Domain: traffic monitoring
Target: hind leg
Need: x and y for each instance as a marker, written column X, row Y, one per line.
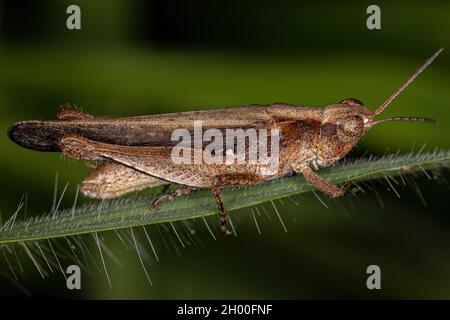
column 67, row 112
column 223, row 214
column 111, row 180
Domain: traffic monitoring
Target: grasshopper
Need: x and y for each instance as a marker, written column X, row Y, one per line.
column 135, row 153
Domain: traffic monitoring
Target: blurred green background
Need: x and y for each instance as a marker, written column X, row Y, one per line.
column 145, row 57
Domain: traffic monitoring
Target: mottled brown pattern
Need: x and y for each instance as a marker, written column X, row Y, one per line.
column 136, row 151
column 222, row 211
column 66, row 112
column 111, row 180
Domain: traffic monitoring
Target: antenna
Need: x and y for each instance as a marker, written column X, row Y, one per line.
column 407, row 83
column 420, row 119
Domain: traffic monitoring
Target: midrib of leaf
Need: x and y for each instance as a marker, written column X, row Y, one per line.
column 132, row 212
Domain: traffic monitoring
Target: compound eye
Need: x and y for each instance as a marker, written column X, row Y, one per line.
column 350, row 129
column 352, row 102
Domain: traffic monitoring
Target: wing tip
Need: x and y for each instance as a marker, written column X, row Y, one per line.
column 30, row 135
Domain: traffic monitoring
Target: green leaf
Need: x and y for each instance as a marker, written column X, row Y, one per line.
column 134, row 211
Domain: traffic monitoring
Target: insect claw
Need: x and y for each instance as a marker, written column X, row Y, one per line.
column 159, row 199
column 355, row 191
column 348, row 187
column 224, row 230
column 340, row 192
column 154, row 204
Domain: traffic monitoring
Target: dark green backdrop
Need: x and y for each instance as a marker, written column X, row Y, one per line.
column 145, row 57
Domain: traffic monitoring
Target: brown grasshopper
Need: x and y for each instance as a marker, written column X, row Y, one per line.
column 137, row 152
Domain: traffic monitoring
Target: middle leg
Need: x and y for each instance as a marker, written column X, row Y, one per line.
column 172, row 195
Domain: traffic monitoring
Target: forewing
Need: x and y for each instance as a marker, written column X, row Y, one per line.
column 153, row 130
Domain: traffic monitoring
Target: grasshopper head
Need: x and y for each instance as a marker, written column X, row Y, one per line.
column 345, row 123
column 353, row 119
